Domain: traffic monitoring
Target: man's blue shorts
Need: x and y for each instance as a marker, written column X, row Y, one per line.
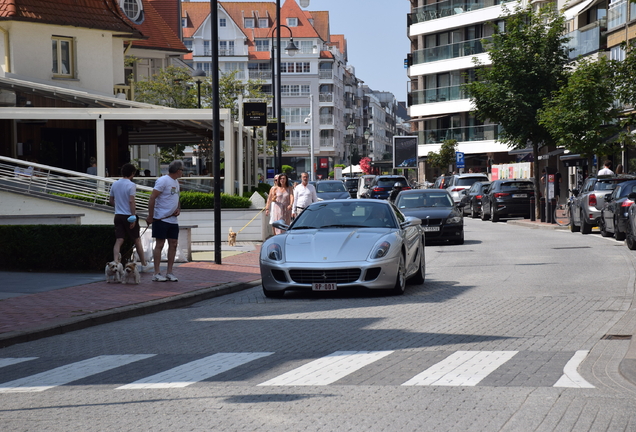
column 164, row 230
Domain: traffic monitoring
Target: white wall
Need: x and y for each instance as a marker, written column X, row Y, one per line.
column 97, row 53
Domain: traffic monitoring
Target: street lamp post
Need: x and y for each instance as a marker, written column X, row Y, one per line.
column 351, row 131
column 199, row 76
column 310, row 120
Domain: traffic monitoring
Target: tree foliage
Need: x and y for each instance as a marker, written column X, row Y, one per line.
column 445, row 157
column 581, row 116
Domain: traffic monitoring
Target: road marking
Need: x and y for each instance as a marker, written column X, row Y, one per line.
column 11, row 361
column 571, row 377
column 69, row 373
column 198, row 370
column 462, row 368
column 327, row 370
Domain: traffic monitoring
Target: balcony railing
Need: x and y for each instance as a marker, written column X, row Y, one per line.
column 223, row 52
column 440, row 94
column 326, row 142
column 445, row 52
column 128, row 90
column 587, row 41
column 447, row 8
column 325, row 97
column 469, row 133
column 298, row 142
column 326, row 119
column 325, row 74
column 260, row 75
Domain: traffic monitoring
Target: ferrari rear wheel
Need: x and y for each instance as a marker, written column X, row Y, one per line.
column 400, row 279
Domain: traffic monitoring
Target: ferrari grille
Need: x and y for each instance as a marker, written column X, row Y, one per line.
column 325, row 276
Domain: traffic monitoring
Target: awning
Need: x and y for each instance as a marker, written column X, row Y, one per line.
column 572, row 12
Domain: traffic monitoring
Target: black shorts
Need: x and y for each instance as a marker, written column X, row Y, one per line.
column 164, row 230
column 122, row 227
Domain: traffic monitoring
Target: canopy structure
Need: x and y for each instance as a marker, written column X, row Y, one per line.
column 355, row 169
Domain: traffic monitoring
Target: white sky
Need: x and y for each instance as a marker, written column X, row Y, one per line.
column 376, row 36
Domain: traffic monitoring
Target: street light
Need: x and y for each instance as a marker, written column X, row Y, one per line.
column 351, row 130
column 367, row 134
column 291, row 51
column 310, row 120
column 199, row 76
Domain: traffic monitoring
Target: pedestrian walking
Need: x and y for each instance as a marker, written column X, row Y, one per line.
column 283, row 199
column 607, row 169
column 304, row 195
column 122, row 198
column 163, row 210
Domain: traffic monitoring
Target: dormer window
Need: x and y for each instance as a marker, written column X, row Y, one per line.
column 133, row 9
column 248, row 23
column 292, row 22
column 263, row 23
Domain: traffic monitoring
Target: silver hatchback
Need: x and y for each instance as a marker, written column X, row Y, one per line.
column 458, row 182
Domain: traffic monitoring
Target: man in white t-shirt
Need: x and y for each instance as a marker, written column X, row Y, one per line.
column 607, row 169
column 122, row 197
column 304, row 194
column 163, row 209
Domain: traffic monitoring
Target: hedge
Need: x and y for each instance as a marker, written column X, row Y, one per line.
column 190, row 200
column 58, row 247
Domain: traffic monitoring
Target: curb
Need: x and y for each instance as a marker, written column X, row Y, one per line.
column 537, row 225
column 124, row 312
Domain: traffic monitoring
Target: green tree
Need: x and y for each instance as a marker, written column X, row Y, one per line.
column 581, row 115
column 445, row 157
column 172, row 86
column 529, row 61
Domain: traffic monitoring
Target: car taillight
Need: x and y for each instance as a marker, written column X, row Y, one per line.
column 478, row 196
column 457, row 189
column 627, row 203
column 378, row 189
column 591, row 200
column 500, row 194
column 406, row 188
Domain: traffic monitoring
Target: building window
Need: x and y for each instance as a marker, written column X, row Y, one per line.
column 263, row 23
column 133, row 9
column 617, row 13
column 295, row 90
column 262, row 44
column 306, row 47
column 298, row 138
column 230, row 67
column 63, row 56
column 617, row 53
column 184, row 22
column 295, row 114
column 248, row 23
column 292, row 22
column 226, row 48
column 295, row 67
column 206, row 48
column 188, row 44
column 222, row 22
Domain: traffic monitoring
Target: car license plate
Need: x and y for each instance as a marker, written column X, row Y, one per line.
column 520, row 195
column 430, row 228
column 324, row 286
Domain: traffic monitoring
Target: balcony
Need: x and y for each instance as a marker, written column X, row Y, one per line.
column 326, row 142
column 298, row 142
column 325, row 74
column 325, row 97
column 223, row 52
column 447, row 8
column 128, row 90
column 461, row 134
column 440, row 94
column 587, row 40
column 260, row 75
column 445, row 52
column 326, row 119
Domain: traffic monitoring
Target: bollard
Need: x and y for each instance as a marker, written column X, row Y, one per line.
column 542, row 209
column 533, row 215
column 551, row 207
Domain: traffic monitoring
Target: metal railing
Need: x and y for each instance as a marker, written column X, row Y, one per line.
column 70, row 186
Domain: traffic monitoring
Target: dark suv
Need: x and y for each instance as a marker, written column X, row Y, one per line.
column 507, row 198
column 351, row 184
column 382, row 185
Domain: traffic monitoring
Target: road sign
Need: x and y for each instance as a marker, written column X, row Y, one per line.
column 459, row 160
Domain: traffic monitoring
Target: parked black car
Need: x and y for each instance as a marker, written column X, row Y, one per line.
column 351, row 184
column 382, row 186
column 471, row 198
column 442, row 220
column 630, row 235
column 507, row 198
column 614, row 214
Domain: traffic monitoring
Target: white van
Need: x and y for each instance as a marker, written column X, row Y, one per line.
column 363, row 184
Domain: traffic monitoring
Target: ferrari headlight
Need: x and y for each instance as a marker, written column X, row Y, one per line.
column 454, row 220
column 274, row 252
column 382, row 250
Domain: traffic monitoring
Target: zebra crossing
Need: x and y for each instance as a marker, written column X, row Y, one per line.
column 459, row 368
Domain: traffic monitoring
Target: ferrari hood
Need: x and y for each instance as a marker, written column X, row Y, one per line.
column 332, row 245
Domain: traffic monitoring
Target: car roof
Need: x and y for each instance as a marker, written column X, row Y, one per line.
column 480, row 175
column 423, row 191
column 329, row 181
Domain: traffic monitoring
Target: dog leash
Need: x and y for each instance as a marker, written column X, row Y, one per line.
column 239, row 231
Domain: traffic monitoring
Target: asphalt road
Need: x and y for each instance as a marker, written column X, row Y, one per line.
column 482, row 345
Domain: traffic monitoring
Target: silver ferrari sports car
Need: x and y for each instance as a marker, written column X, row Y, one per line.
column 340, row 244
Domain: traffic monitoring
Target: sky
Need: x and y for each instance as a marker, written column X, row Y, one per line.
column 377, row 39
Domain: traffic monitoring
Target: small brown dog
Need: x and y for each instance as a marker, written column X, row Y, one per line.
column 231, row 238
column 131, row 274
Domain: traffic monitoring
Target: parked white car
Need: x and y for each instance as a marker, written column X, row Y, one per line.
column 363, row 185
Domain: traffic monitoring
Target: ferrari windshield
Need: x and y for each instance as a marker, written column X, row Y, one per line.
column 349, row 214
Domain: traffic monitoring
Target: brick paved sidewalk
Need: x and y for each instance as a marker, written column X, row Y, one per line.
column 32, row 316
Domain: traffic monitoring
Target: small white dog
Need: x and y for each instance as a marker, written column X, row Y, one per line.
column 131, row 274
column 114, row 272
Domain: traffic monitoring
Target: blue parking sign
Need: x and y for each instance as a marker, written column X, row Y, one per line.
column 459, row 160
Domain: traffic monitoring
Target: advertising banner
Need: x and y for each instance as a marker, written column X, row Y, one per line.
column 255, row 114
column 272, row 129
column 404, row 152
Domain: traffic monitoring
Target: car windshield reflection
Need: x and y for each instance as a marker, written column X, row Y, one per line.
column 346, row 215
column 408, row 201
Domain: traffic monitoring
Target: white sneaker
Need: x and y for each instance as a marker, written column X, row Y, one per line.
column 171, row 278
column 159, row 278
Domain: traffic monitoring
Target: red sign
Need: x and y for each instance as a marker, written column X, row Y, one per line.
column 324, row 163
